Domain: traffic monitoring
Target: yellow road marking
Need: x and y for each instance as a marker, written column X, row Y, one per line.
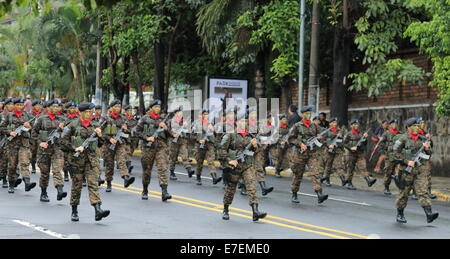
column 218, row 208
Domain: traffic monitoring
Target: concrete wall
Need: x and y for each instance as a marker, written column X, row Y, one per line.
column 438, row 127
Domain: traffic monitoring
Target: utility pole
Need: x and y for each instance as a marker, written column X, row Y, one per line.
column 313, row 86
column 301, row 54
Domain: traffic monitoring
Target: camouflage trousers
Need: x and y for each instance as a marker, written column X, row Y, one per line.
column 260, row 164
column 418, row 180
column 18, row 159
column 278, row 155
column 134, row 143
column 354, row 158
column 3, row 163
column 91, row 176
column 249, row 179
column 332, row 162
column 53, row 161
column 157, row 153
column 208, row 154
column 121, row 154
column 179, row 148
column 34, row 150
column 298, row 163
column 390, row 167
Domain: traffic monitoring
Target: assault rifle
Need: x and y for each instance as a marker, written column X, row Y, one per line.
column 335, row 142
column 179, row 132
column 361, row 141
column 156, row 133
column 92, row 138
column 19, row 130
column 314, row 141
column 375, row 148
column 206, row 138
column 118, row 137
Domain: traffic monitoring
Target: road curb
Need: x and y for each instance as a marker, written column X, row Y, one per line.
column 288, row 173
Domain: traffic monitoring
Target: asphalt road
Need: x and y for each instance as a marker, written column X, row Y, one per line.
column 196, row 211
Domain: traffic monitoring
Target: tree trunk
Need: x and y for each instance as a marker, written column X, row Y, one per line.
column 313, row 85
column 125, row 80
column 138, row 86
column 259, row 75
column 159, row 72
column 169, row 55
column 286, row 93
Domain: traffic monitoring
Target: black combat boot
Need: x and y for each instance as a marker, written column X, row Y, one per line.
column 61, row 194
column 84, row 181
column 350, row 185
column 18, row 181
column 190, row 172
column 108, row 186
column 144, row 194
column 172, row 175
column 294, row 198
column 215, row 178
column 33, row 168
column 343, row 180
column 100, row 180
column 386, row 190
column 327, row 181
column 369, row 181
column 400, row 216
column 264, row 189
column 278, row 172
column 164, row 194
column 44, row 196
column 130, row 167
column 430, row 216
column 5, row 183
column 99, row 213
column 66, row 175
column 12, row 185
column 321, row 177
column 225, row 215
column 243, row 189
column 127, row 180
column 431, row 195
column 321, row 197
column 257, row 214
column 199, row 179
column 75, row 213
column 28, row 185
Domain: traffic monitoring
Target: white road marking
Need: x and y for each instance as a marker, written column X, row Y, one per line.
column 44, row 230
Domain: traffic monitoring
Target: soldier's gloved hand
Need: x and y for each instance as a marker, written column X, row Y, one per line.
column 14, row 134
column 303, row 147
column 354, row 148
column 151, row 139
column 233, row 163
column 27, row 125
column 411, row 163
column 98, row 131
column 43, row 145
column 79, row 149
column 113, row 141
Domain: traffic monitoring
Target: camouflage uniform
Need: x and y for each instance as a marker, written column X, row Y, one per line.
column 335, row 158
column 67, row 119
column 121, row 152
column 33, row 144
column 388, row 139
column 355, row 157
column 404, row 148
column 134, row 140
column 157, row 152
column 299, row 135
column 83, row 166
column 180, row 147
column 51, row 157
column 209, row 151
column 278, row 152
column 3, row 154
column 18, row 149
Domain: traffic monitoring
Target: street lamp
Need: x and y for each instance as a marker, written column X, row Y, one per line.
column 301, row 53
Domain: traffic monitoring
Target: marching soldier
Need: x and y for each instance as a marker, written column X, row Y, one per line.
column 8, row 108
column 387, row 141
column 116, row 148
column 151, row 129
column 422, row 127
column 240, row 166
column 50, row 155
column 355, row 143
column 178, row 143
column 81, row 138
column 302, row 155
column 205, row 147
column 71, row 114
column 36, row 111
column 333, row 153
column 261, row 157
column 132, row 122
column 279, row 151
column 18, row 148
column 405, row 148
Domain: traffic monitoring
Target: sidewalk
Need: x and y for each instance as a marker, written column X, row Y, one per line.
column 440, row 185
